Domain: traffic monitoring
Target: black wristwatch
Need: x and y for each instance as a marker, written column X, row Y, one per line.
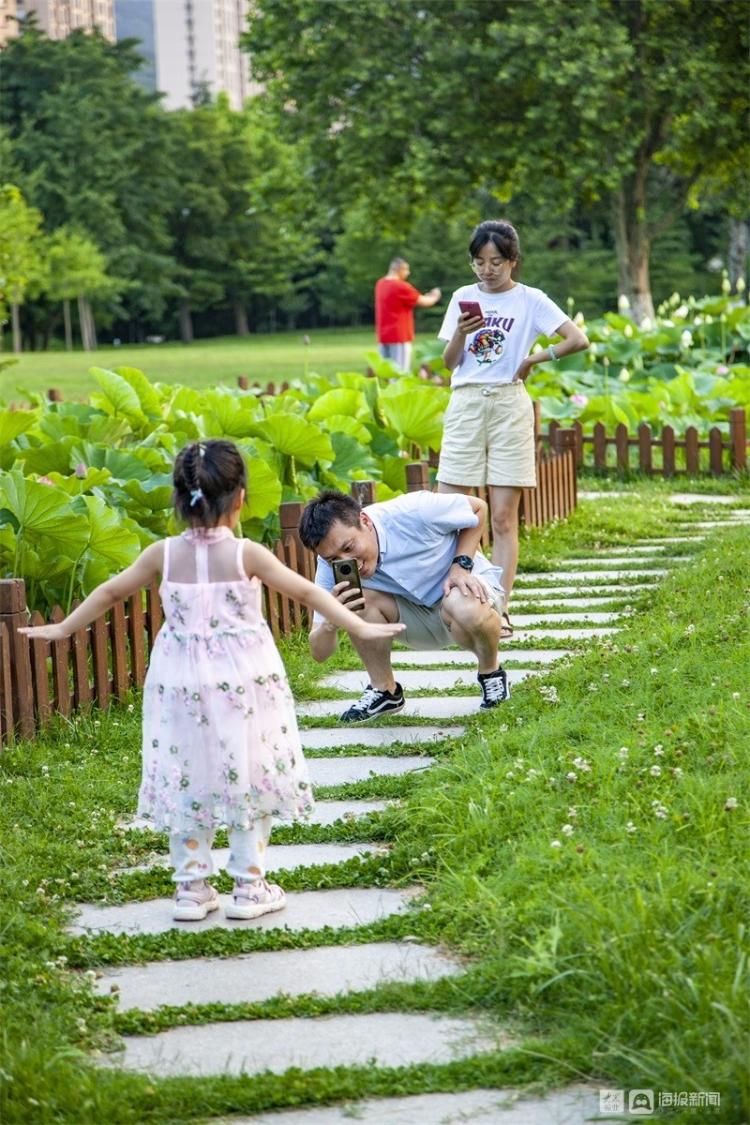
column 466, row 562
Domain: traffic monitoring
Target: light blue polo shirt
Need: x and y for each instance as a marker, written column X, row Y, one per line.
column 417, row 536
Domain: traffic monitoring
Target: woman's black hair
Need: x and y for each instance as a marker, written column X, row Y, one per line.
column 207, row 477
column 501, row 233
column 320, row 514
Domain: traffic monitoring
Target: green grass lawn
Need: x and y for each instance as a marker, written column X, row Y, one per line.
column 276, row 357
column 588, row 851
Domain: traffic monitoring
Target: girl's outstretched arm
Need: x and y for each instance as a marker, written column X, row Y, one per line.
column 259, row 560
column 141, row 573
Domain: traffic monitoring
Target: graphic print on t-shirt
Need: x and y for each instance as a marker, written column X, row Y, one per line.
column 487, row 345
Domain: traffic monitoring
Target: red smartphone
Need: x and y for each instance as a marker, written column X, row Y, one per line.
column 473, row 308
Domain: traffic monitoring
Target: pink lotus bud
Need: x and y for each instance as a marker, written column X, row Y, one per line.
column 46, row 480
column 722, row 369
column 81, row 470
column 579, row 400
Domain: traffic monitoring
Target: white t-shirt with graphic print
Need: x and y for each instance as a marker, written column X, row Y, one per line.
column 512, row 321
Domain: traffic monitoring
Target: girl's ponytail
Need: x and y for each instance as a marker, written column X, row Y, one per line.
column 207, row 477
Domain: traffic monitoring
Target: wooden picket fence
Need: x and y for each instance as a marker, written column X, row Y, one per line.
column 108, row 659
column 665, row 454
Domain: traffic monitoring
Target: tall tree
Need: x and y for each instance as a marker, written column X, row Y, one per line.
column 94, row 151
column 77, row 271
column 637, row 102
column 22, row 261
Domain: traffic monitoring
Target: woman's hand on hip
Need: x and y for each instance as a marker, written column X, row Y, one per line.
column 524, row 370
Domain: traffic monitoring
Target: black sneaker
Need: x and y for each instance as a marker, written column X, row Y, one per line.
column 373, row 703
column 495, row 688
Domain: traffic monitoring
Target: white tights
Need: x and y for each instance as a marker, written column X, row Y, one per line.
column 190, row 852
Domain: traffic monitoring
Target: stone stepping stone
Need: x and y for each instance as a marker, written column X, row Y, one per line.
column 580, row 576
column 254, row 1046
column 282, row 857
column 326, row 738
column 534, row 619
column 325, row 812
column 636, row 564
column 575, row 591
column 712, row 525
column 346, row 771
column 253, row 977
column 305, row 910
column 421, row 678
column 461, row 656
column 572, row 1106
column 572, row 604
column 593, row 495
column 669, row 540
column 698, row 498
column 631, row 550
column 426, row 707
column 521, row 636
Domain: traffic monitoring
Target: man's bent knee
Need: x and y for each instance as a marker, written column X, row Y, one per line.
column 380, row 607
column 468, row 613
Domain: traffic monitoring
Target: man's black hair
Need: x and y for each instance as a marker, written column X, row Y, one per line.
column 321, row 513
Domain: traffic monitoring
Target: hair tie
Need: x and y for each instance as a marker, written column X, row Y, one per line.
column 201, row 450
column 196, row 494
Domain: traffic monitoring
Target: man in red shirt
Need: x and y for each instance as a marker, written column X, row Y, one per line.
column 395, row 299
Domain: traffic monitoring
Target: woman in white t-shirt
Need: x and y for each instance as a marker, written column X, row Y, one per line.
column 488, row 435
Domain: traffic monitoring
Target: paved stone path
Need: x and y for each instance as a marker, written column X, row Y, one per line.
column 566, row 604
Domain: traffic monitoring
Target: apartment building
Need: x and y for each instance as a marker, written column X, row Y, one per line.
column 189, row 45
column 57, row 18
column 8, row 20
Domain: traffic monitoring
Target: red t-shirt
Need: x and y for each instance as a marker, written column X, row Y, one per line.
column 394, row 317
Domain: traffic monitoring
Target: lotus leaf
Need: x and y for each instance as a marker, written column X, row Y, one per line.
column 138, row 463
column 414, row 411
column 343, row 424
column 13, row 423
column 263, row 490
column 117, row 397
column 393, row 470
column 149, row 398
column 296, row 438
column 75, row 485
column 154, row 493
column 228, row 416
column 353, row 460
column 43, row 459
column 44, row 514
column 338, row 401
column 112, row 542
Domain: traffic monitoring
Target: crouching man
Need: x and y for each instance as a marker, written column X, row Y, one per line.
column 419, row 563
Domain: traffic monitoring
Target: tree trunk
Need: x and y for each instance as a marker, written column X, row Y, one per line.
column 15, row 317
column 633, row 246
column 186, row 322
column 92, row 325
column 68, row 326
column 241, row 326
column 83, row 323
column 739, row 245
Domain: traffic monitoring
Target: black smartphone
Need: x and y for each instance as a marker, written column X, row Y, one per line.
column 347, row 570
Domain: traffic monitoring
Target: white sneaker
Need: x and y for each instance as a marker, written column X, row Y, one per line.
column 193, row 901
column 251, row 898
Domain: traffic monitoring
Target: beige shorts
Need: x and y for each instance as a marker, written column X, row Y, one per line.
column 488, row 437
column 425, row 628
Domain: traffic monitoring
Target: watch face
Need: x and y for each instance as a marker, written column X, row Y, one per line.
column 464, row 561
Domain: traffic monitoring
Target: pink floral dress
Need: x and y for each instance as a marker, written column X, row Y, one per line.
column 220, row 738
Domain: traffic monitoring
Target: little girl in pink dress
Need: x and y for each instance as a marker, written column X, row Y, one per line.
column 220, row 741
